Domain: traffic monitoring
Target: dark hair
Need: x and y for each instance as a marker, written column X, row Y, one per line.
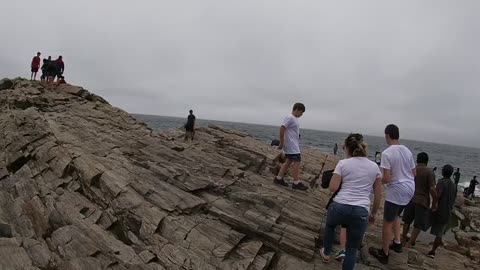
column 392, row 131
column 422, row 158
column 299, row 107
column 447, row 170
column 60, row 57
column 458, row 169
column 191, row 111
column 355, row 145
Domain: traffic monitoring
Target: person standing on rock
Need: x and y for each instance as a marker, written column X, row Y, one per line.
column 335, row 149
column 354, row 178
column 290, row 143
column 456, row 176
column 417, row 210
column 60, row 67
column 447, row 193
column 35, row 66
column 471, row 188
column 51, row 70
column 190, row 127
column 398, row 168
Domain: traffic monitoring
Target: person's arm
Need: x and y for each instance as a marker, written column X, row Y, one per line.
column 387, row 176
column 335, row 183
column 433, row 191
column 386, row 169
column 439, row 191
column 377, row 198
column 282, row 137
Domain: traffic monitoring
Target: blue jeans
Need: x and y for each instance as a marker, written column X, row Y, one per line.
column 355, row 220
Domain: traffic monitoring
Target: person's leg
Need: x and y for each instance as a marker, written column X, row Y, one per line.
column 438, row 242
column 343, row 242
column 31, row 76
column 408, row 218
column 335, row 212
column 35, row 76
column 387, row 235
column 397, row 230
column 421, row 214
column 358, row 221
column 296, row 171
column 343, row 238
column 284, row 168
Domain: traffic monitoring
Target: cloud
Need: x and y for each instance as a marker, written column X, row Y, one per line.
column 357, row 65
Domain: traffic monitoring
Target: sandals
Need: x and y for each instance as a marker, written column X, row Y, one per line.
column 325, row 258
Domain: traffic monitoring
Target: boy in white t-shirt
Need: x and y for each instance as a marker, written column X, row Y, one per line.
column 398, row 168
column 290, row 143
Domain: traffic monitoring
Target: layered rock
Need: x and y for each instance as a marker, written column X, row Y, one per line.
column 86, row 186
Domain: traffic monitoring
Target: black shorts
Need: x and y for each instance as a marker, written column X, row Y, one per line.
column 391, row 211
column 438, row 229
column 34, row 69
column 416, row 213
column 294, row 157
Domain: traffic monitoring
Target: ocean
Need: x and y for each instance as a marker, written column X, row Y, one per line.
column 465, row 158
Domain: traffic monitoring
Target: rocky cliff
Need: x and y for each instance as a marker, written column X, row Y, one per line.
column 83, row 185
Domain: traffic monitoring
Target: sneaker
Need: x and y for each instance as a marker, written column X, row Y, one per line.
column 396, row 247
column 299, row 186
column 280, row 182
column 431, row 254
column 379, row 254
column 340, row 255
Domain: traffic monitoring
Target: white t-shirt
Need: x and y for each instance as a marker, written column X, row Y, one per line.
column 399, row 160
column 292, row 135
column 358, row 176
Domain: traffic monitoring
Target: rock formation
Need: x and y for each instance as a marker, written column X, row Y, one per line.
column 83, row 185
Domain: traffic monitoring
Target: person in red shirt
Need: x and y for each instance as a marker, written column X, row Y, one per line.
column 35, row 66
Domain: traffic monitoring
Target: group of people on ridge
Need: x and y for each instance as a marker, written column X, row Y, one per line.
column 408, row 188
column 50, row 69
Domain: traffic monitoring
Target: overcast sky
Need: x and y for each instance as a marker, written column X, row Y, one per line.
column 357, row 65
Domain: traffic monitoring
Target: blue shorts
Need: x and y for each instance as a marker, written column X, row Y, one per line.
column 294, row 157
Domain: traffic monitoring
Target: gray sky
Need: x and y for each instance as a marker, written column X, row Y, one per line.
column 357, row 65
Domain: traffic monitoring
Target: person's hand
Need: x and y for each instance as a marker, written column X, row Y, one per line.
column 434, row 208
column 280, row 146
column 371, row 219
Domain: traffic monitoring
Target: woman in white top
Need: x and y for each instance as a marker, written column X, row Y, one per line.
column 354, row 177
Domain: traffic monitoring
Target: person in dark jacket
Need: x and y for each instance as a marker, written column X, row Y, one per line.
column 60, row 67
column 446, row 193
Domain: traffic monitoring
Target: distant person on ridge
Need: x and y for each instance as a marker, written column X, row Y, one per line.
column 416, row 211
column 190, row 127
column 335, row 149
column 471, row 188
column 290, row 143
column 44, row 76
column 398, row 168
column 60, row 67
column 446, row 192
column 35, row 65
column 51, row 70
column 456, row 176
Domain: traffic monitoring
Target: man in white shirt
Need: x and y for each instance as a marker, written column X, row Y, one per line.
column 290, row 143
column 398, row 168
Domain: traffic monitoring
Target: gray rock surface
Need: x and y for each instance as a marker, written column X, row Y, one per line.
column 86, row 186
